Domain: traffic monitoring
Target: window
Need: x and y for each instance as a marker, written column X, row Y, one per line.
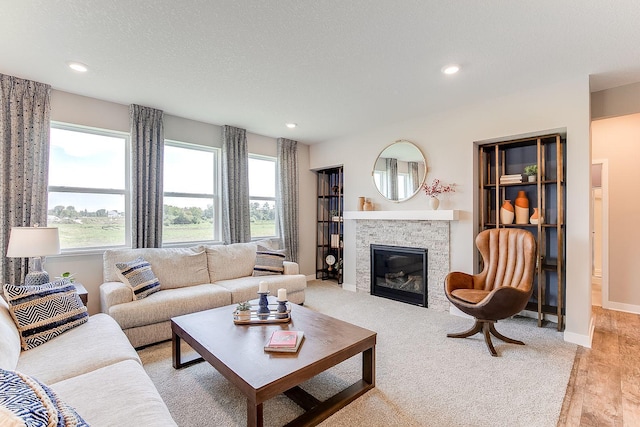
column 262, row 195
column 88, row 186
column 191, row 202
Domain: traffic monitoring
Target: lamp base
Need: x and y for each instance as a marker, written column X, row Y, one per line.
column 34, row 278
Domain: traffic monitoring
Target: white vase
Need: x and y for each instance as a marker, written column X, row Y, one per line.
column 434, row 203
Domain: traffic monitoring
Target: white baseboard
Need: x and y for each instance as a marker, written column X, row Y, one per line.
column 583, row 340
column 620, row 306
column 349, row 287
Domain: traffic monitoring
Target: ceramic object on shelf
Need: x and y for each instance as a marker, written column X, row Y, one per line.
column 536, row 218
column 360, row 203
column 507, row 212
column 531, row 178
column 522, row 208
column 368, row 205
column 434, row 202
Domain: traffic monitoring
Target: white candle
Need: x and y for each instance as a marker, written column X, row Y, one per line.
column 282, row 294
column 262, row 287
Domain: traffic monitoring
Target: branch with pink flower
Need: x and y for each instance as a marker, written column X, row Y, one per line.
column 437, row 188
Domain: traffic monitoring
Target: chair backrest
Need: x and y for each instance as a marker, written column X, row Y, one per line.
column 509, row 256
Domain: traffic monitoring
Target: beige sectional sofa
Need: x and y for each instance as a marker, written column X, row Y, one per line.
column 93, row 368
column 191, row 279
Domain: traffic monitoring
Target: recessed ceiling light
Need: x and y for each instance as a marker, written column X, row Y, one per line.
column 291, row 125
column 78, row 66
column 450, row 69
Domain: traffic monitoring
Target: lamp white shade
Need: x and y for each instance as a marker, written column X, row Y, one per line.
column 26, row 242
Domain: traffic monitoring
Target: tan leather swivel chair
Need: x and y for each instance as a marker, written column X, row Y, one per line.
column 503, row 287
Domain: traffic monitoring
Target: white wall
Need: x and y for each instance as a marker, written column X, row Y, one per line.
column 618, row 140
column 81, row 110
column 447, row 140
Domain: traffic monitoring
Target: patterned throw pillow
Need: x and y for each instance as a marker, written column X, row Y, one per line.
column 139, row 276
column 24, row 401
column 43, row 312
column 268, row 263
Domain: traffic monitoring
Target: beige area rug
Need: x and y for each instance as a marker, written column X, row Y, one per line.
column 423, row 378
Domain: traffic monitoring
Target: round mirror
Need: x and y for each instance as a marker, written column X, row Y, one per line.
column 399, row 171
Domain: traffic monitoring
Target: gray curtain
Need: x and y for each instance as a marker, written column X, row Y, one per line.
column 24, row 156
column 147, row 156
column 236, row 217
column 392, row 178
column 287, row 196
column 414, row 176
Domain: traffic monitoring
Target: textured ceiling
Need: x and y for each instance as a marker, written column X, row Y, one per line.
column 335, row 67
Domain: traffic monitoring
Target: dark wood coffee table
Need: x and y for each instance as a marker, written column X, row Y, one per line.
column 236, row 351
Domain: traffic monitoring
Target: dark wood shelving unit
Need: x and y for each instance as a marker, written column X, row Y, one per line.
column 330, row 225
column 547, row 193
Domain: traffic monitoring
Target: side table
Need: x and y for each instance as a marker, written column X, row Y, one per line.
column 82, row 292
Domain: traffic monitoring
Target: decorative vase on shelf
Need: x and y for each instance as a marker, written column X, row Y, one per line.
column 522, row 208
column 536, row 218
column 531, row 178
column 506, row 212
column 434, row 202
column 368, row 205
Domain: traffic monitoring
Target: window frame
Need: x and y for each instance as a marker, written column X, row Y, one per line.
column 264, row 198
column 126, row 192
column 216, row 197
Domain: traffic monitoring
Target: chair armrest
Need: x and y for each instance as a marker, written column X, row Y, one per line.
column 457, row 280
column 114, row 293
column 291, row 267
column 503, row 302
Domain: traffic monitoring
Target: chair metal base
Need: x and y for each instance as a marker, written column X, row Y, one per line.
column 486, row 327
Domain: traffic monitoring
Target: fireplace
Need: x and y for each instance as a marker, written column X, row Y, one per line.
column 399, row 273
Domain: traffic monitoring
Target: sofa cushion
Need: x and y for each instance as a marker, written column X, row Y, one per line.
column 97, row 343
column 9, row 338
column 174, row 267
column 116, row 395
column 268, row 263
column 139, row 276
column 231, row 261
column 26, row 401
column 246, row 288
column 43, row 312
column 169, row 303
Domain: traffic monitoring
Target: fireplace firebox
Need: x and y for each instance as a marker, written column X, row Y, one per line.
column 399, row 273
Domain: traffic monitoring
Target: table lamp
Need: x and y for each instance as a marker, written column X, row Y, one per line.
column 34, row 242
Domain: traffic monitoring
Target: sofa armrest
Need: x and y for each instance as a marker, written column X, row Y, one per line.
column 291, row 267
column 114, row 293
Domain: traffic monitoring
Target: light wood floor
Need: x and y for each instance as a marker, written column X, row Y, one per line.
column 604, row 387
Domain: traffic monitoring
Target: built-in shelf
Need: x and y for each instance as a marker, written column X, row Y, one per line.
column 426, row 215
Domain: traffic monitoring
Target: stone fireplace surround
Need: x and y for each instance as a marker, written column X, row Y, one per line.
column 418, row 229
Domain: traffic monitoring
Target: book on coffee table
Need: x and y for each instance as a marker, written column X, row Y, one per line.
column 284, row 341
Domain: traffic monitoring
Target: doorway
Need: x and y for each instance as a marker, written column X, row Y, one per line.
column 600, row 233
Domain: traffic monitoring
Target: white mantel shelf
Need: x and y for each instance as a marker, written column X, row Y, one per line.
column 426, row 215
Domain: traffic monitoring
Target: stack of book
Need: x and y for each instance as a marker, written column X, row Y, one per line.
column 284, row 341
column 511, row 179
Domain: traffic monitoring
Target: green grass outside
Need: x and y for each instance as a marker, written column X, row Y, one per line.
column 94, row 232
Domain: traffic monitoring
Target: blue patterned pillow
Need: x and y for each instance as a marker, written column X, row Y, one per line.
column 268, row 263
column 139, row 276
column 24, row 401
column 43, row 312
